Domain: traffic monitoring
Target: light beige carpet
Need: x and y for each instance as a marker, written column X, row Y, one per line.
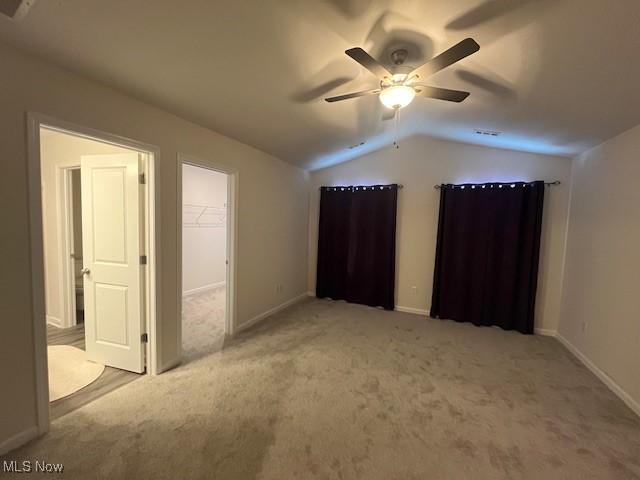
column 203, row 323
column 327, row 390
column 69, row 370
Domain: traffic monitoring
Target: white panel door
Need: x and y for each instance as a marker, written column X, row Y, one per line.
column 113, row 278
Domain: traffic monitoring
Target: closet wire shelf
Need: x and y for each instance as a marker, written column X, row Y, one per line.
column 203, row 216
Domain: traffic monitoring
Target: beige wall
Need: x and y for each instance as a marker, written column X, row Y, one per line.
column 204, row 248
column 421, row 162
column 601, row 306
column 272, row 220
column 57, row 151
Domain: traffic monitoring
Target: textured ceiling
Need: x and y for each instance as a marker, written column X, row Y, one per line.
column 555, row 76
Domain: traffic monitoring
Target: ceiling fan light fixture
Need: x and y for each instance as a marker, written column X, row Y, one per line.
column 399, row 77
column 397, row 96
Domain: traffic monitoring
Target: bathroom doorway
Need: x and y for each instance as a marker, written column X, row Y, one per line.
column 73, row 196
column 93, row 226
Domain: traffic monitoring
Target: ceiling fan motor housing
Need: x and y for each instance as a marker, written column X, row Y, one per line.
column 399, row 56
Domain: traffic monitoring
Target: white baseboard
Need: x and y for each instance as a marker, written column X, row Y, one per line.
column 18, row 440
column 270, row 312
column 398, row 308
column 547, row 332
column 205, row 288
column 55, row 321
column 415, row 311
column 606, row 379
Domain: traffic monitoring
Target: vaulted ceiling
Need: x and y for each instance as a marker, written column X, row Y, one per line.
column 554, row 76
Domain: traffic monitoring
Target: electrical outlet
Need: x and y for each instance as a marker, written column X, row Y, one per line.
column 279, row 288
column 584, row 327
column 414, row 290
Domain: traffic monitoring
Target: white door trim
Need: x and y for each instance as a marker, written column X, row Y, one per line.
column 153, row 278
column 232, row 237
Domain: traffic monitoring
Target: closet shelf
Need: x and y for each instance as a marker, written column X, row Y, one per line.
column 203, row 216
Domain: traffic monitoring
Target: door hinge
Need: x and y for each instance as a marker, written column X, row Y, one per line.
column 144, row 338
column 143, row 259
column 142, row 180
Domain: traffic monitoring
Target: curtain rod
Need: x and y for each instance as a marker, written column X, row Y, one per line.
column 399, row 185
column 547, row 184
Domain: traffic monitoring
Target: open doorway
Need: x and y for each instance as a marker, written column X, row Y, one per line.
column 75, row 256
column 206, row 233
column 95, row 231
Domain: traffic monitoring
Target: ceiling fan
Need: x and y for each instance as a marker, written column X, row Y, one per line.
column 398, row 88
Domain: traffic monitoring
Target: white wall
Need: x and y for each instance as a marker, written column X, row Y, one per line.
column 601, row 305
column 58, row 151
column 204, row 248
column 272, row 216
column 419, row 164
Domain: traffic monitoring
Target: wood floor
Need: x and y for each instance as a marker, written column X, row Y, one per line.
column 110, row 379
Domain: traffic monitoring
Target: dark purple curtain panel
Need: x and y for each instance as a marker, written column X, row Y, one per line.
column 371, row 265
column 333, row 242
column 486, row 267
column 357, row 244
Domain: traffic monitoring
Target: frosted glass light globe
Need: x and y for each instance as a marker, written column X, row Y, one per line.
column 397, row 96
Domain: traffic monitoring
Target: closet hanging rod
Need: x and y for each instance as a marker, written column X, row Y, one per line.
column 547, row 184
column 399, row 185
column 196, row 205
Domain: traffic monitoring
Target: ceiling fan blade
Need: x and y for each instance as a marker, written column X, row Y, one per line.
column 368, row 62
column 456, row 53
column 351, row 95
column 441, row 93
column 311, row 94
column 489, row 82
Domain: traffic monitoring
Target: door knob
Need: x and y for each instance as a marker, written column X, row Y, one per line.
column 85, row 271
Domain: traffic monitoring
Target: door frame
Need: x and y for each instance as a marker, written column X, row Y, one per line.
column 232, row 237
column 152, row 246
column 66, row 229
